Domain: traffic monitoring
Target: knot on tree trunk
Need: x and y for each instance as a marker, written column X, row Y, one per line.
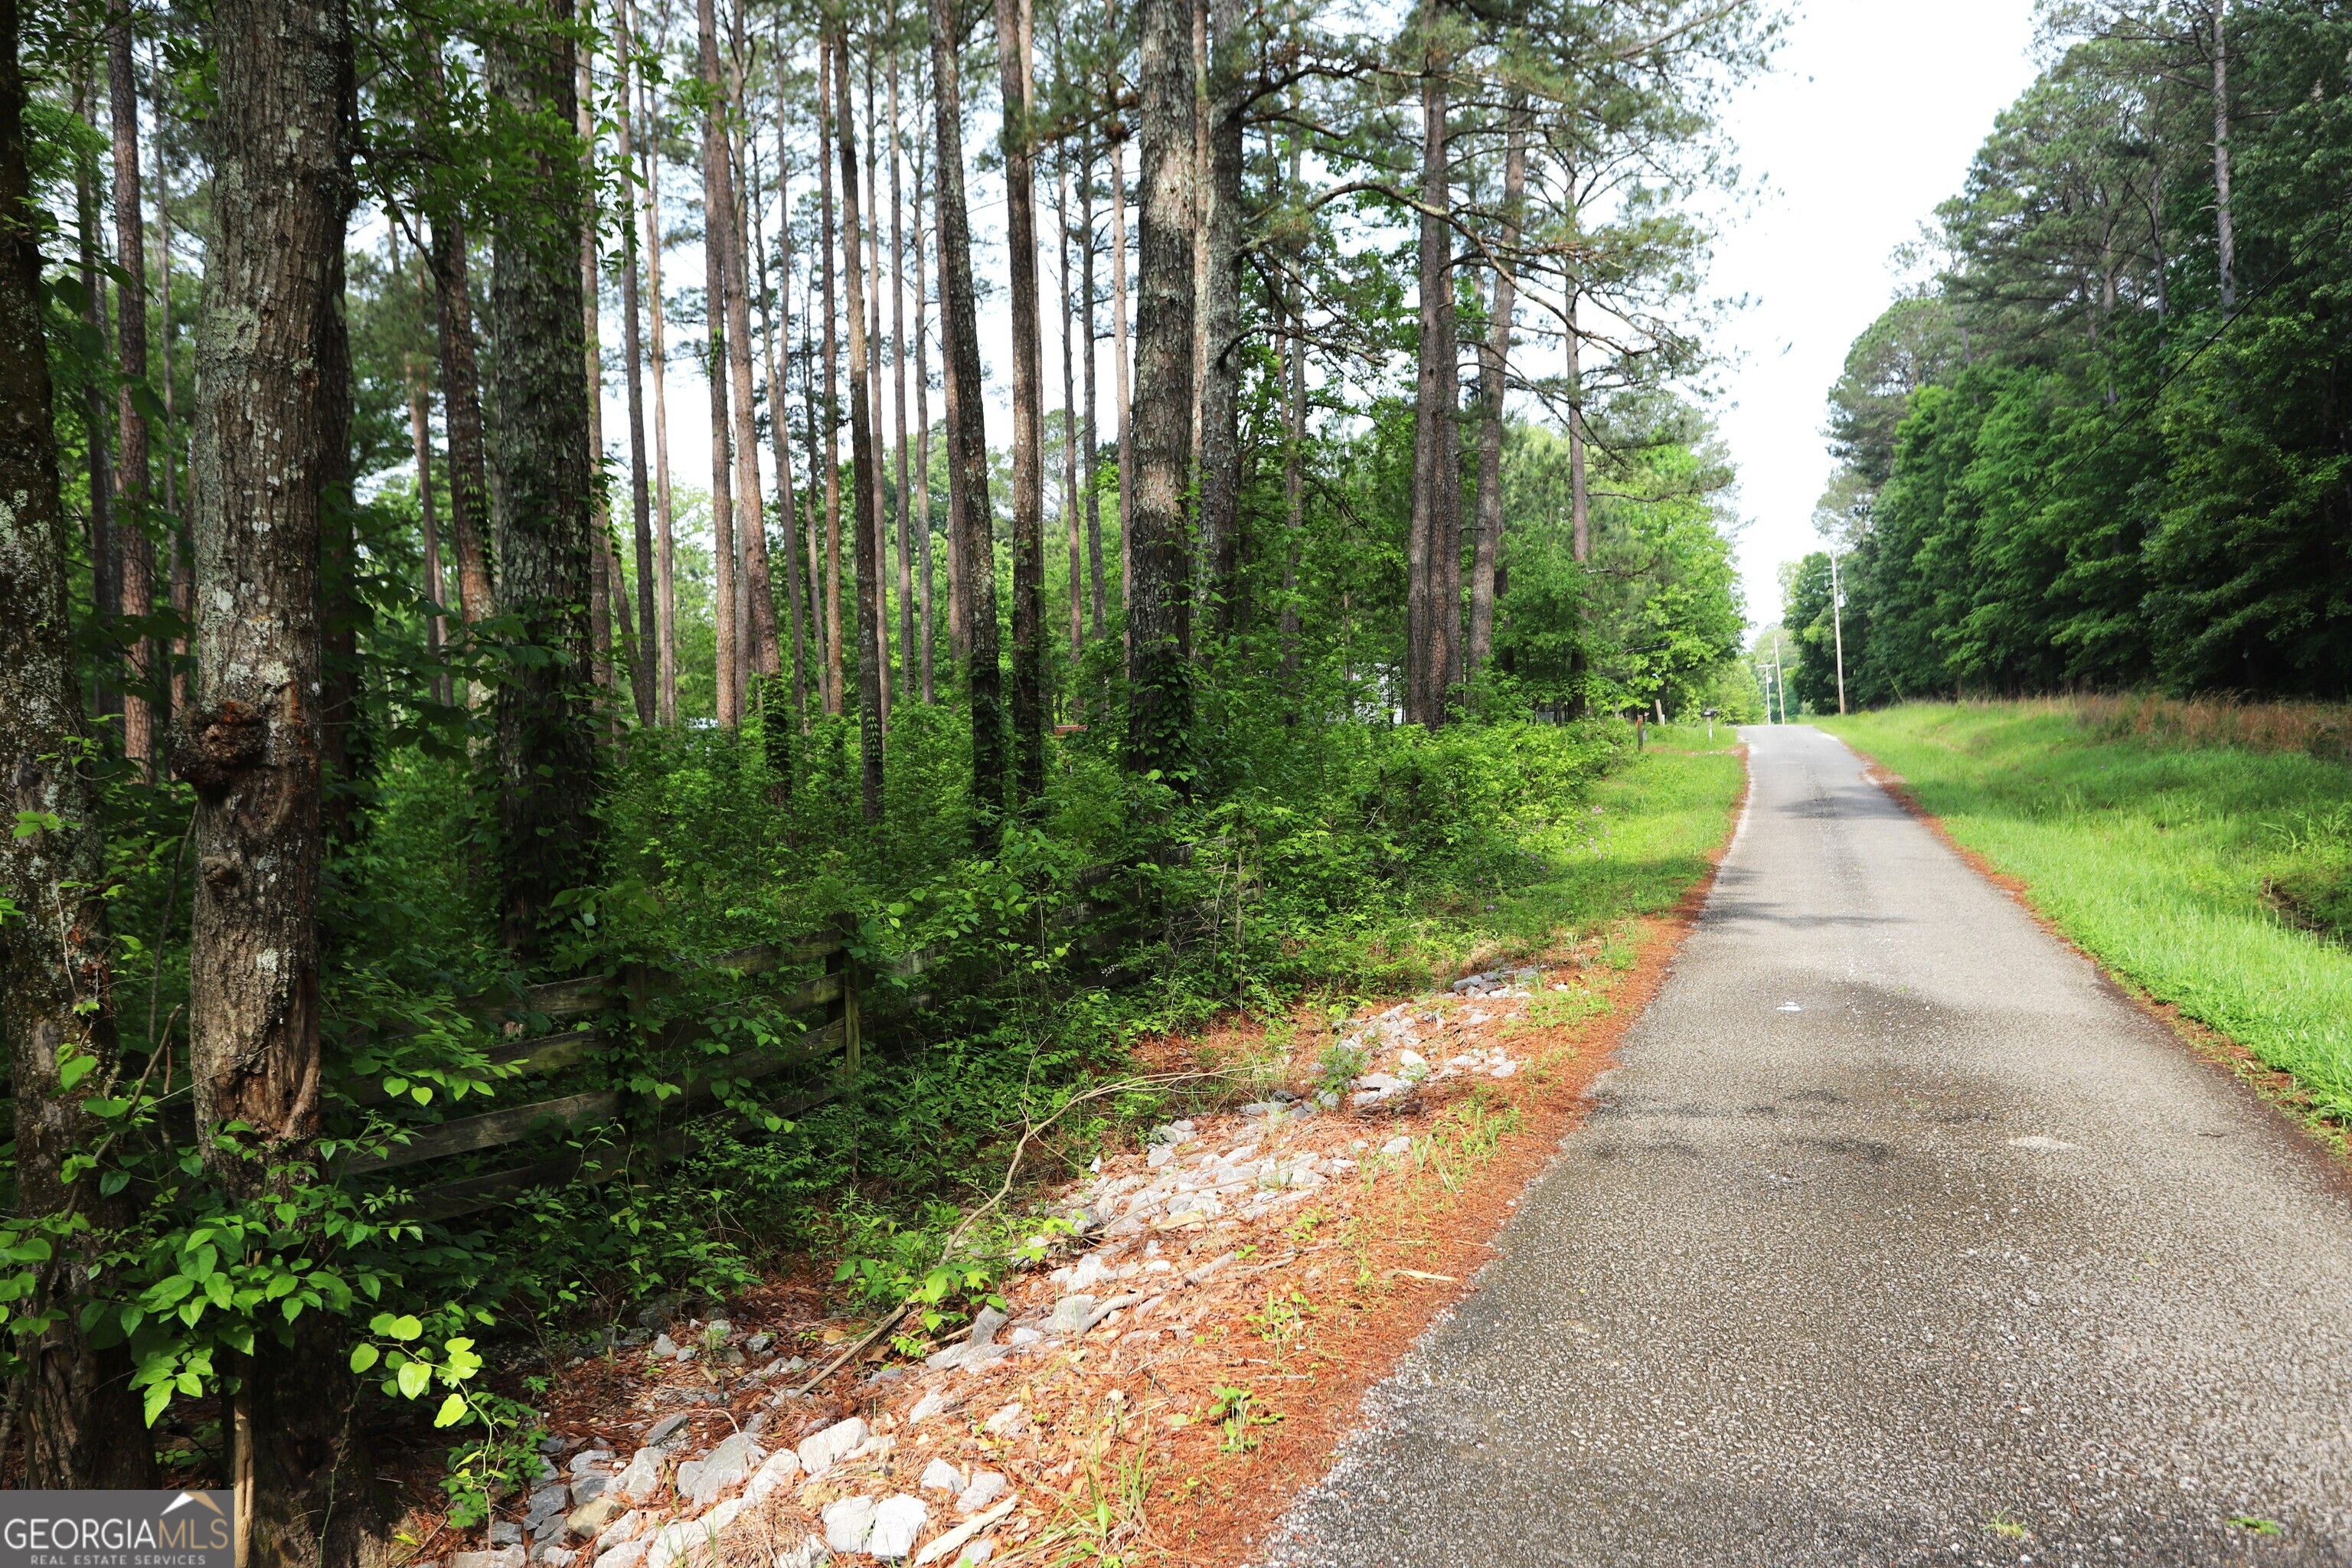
column 216, row 747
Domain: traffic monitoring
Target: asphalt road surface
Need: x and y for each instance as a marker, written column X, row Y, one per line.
column 1897, row 1237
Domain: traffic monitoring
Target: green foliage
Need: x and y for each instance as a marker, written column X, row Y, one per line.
column 2118, row 476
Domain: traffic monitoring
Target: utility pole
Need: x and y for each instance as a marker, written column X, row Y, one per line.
column 1837, row 625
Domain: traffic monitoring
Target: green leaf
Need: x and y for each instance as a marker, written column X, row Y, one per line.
column 364, row 1356
column 415, row 1378
column 159, row 1395
column 453, row 1410
column 401, row 1328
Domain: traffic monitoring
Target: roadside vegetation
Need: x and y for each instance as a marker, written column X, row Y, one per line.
column 2216, row 878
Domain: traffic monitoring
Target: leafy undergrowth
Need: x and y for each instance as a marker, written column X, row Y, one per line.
column 2215, row 879
column 1171, row 1431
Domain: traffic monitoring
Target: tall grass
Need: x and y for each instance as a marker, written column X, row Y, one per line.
column 2314, row 729
column 2200, row 852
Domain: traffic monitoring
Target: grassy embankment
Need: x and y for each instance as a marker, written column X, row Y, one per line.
column 2215, row 877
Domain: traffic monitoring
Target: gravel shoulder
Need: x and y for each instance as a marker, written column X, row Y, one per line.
column 1899, row 1236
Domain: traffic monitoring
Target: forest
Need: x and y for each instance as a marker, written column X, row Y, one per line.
column 2108, row 444
column 395, row 712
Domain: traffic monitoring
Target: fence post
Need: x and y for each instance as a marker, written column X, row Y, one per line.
column 853, row 1031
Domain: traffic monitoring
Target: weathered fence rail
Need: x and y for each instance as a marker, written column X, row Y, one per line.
column 565, row 1026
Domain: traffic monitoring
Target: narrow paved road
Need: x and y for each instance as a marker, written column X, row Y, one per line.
column 1898, row 1236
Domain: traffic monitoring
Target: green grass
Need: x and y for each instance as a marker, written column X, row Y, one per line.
column 2217, row 879
column 1645, row 837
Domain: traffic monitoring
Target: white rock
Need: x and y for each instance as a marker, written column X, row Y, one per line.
column 899, row 1522
column 1010, row 1422
column 810, row 1554
column 782, row 1466
column 727, row 1466
column 939, row 1476
column 665, row 1347
column 554, row 1556
column 820, row 1450
column 1397, row 1145
column 977, row 1552
column 937, row 1402
column 588, row 1459
column 1161, row 1155
column 589, row 1487
column 1070, row 1314
column 848, row 1521
column 504, row 1557
column 661, row 1431
column 1025, row 1335
column 986, row 1487
column 641, row 1482
column 628, row 1555
column 505, row 1533
column 671, row 1542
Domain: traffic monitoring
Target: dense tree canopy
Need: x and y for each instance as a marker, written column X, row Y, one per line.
column 2111, row 444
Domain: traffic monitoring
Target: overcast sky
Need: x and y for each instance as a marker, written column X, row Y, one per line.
column 1868, row 122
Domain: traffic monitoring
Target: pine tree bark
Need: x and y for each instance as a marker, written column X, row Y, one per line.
column 1028, row 408
column 717, row 210
column 600, row 580
column 1122, row 343
column 2225, row 232
column 541, row 506
column 1159, row 596
column 1070, row 526
column 923, row 421
column 664, row 634
column 1093, row 458
column 420, row 441
column 1294, row 453
column 267, row 431
column 105, row 544
column 1219, row 312
column 461, row 411
column 832, row 80
column 861, row 459
column 909, row 673
column 967, row 434
column 341, row 608
column 1494, row 375
column 643, row 672
column 776, row 314
column 762, row 656
column 1435, row 529
column 130, row 466
column 83, row 1426
column 869, row 251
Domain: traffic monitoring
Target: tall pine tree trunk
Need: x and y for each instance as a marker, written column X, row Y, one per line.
column 645, row 672
column 831, row 60
column 1093, row 460
column 1294, row 451
column 264, row 426
column 909, row 673
column 869, row 251
column 461, row 414
column 131, row 477
column 1070, row 527
column 861, row 457
column 1221, row 317
column 2225, row 231
column 81, row 1422
column 1435, row 530
column 1494, row 382
column 718, row 214
column 1123, row 371
column 967, row 433
column 1028, row 408
column 923, row 420
column 541, row 500
column 762, row 656
column 776, row 315
column 603, row 585
column 657, row 349
column 1159, row 596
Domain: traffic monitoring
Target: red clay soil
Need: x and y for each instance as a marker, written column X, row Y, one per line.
column 2280, row 1090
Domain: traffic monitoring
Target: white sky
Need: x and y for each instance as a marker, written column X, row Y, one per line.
column 1869, row 120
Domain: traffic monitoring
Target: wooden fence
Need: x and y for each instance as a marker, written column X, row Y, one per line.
column 567, row 1025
